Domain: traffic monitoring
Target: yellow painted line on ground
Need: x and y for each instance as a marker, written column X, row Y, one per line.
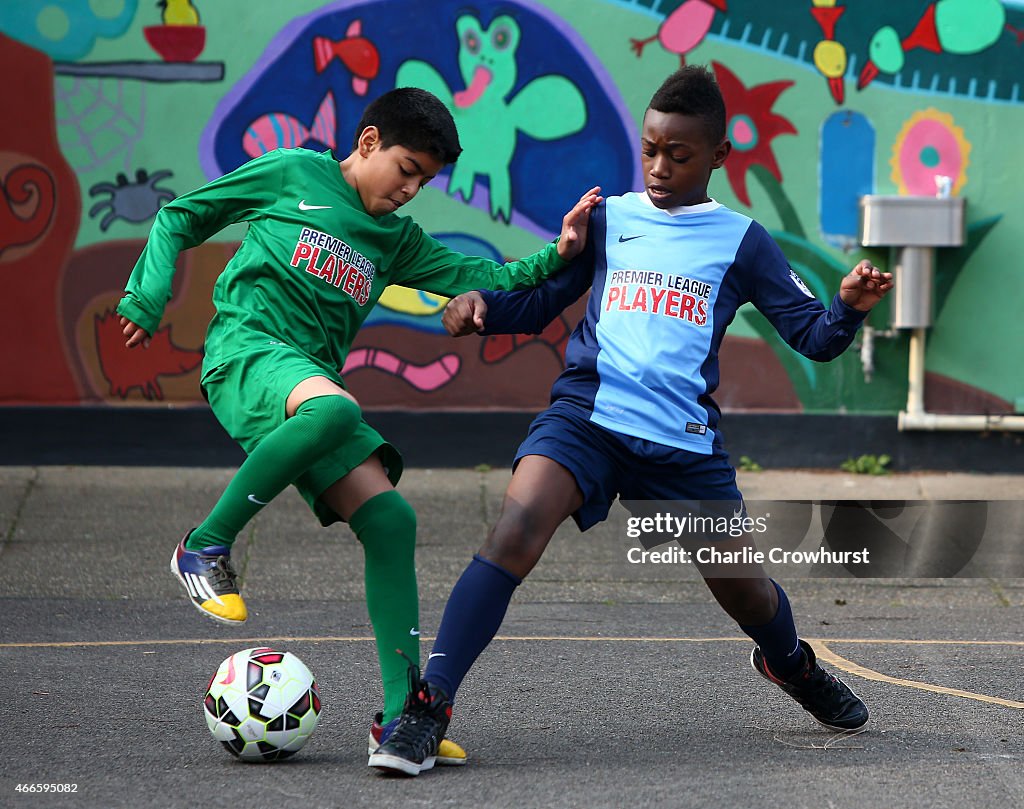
column 824, row 653
column 179, row 642
column 353, row 639
column 566, row 638
column 820, row 645
column 925, row 642
column 745, row 639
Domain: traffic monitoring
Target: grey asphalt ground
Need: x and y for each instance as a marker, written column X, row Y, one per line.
column 611, row 684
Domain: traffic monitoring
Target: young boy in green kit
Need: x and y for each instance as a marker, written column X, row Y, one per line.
column 322, row 245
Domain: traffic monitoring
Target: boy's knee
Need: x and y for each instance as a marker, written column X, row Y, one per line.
column 332, row 419
column 514, row 544
column 403, row 516
column 387, row 526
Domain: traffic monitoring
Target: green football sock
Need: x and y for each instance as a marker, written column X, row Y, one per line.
column 319, row 426
column 386, row 526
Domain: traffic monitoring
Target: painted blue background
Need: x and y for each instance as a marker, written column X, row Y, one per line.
column 547, row 177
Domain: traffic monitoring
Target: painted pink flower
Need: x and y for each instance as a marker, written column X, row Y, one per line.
column 929, row 145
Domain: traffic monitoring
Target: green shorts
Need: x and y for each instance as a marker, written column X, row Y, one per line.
column 247, row 393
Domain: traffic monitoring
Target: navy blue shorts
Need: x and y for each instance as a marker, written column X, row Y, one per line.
column 607, row 465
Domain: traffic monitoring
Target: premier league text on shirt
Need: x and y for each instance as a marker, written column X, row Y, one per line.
column 342, row 266
column 659, row 294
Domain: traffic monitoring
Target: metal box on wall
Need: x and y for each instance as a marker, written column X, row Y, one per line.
column 914, row 226
column 911, row 221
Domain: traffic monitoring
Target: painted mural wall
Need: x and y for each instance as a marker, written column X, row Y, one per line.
column 110, row 108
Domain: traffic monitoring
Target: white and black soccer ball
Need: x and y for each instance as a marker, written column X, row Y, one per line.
column 262, row 704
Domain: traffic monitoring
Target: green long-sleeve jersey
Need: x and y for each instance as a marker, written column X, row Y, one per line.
column 312, row 264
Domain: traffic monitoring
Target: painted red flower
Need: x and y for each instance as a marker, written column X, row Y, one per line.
column 751, row 126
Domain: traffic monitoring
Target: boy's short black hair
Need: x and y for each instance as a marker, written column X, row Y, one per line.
column 693, row 90
column 415, row 119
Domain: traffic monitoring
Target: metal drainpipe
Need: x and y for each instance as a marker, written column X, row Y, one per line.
column 916, row 418
column 867, row 347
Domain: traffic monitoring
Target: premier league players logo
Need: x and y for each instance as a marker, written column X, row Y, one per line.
column 800, row 283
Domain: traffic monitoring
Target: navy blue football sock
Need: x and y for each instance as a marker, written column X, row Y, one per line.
column 778, row 640
column 471, row 619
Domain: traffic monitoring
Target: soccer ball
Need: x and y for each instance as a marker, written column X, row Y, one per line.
column 262, row 705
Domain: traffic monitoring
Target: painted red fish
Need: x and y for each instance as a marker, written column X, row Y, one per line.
column 358, row 54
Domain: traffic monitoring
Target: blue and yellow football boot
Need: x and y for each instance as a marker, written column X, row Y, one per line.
column 210, row 581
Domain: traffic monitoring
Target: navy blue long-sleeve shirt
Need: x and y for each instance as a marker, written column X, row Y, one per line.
column 666, row 285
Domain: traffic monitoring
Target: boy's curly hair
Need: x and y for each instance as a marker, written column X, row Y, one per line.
column 693, row 90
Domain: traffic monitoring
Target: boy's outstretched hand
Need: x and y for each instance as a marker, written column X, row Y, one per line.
column 575, row 224
column 865, row 286
column 134, row 334
column 464, row 314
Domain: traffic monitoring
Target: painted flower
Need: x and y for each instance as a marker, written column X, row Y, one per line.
column 929, row 145
column 751, row 126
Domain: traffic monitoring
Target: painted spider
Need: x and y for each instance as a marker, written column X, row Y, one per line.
column 132, row 202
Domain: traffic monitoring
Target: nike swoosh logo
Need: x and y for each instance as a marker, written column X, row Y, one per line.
column 436, row 654
column 252, row 499
column 303, row 206
column 630, row 238
column 414, row 631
